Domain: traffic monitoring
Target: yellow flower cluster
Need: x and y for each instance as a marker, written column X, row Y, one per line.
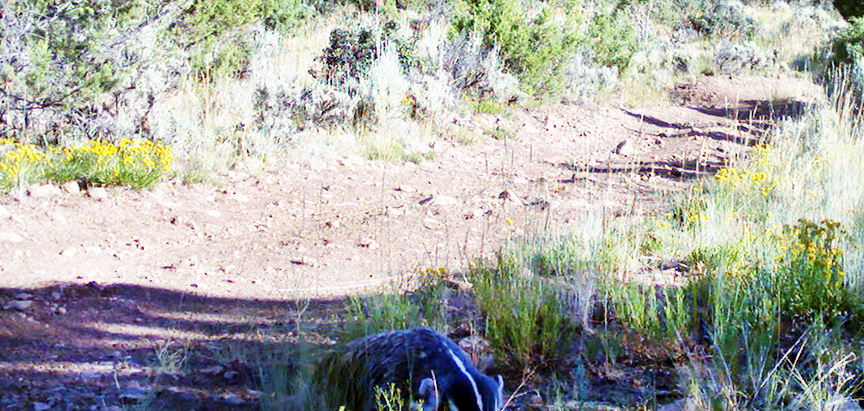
column 755, row 177
column 17, row 158
column 735, row 178
column 129, row 153
column 134, row 162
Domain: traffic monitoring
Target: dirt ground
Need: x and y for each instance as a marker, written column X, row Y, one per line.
column 99, row 296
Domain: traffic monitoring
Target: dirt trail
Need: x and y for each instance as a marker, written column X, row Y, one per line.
column 340, row 226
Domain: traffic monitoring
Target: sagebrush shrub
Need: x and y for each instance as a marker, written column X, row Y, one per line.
column 535, row 47
column 849, row 45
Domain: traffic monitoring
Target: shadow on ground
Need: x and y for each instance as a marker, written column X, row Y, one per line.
column 83, row 346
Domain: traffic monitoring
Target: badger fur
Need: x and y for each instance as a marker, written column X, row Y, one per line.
column 419, row 360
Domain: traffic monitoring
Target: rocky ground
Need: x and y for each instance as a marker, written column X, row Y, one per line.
column 126, row 299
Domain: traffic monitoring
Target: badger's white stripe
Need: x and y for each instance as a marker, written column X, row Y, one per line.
column 470, row 378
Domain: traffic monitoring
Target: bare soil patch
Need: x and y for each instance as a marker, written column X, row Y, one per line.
column 114, row 285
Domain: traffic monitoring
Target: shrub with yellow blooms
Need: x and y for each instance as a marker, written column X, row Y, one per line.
column 133, row 162
column 813, row 273
column 20, row 164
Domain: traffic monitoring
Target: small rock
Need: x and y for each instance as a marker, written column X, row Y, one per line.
column 10, row 237
column 40, row 406
column 216, row 369
column 231, row 375
column 56, row 295
column 240, row 198
column 43, row 190
column 18, row 305
column 431, row 223
column 23, row 296
column 4, row 213
column 625, row 148
column 60, row 311
column 507, row 195
column 71, row 187
column 135, row 393
column 97, row 193
column 69, row 252
column 418, row 147
column 354, row 158
column 305, row 260
column 369, row 243
column 230, row 398
column 214, row 213
column 441, row 200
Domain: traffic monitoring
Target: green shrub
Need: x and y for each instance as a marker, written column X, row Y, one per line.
column 60, row 61
column 219, row 35
column 726, row 19
column 849, row 8
column 535, row 48
column 526, row 323
column 612, row 39
column 848, row 47
column 812, row 279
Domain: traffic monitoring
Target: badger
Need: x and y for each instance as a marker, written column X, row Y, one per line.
column 427, row 364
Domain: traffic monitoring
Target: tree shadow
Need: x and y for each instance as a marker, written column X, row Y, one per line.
column 753, row 119
column 81, row 346
column 673, row 170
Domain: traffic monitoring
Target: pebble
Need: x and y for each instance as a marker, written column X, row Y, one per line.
column 43, row 190
column 214, row 213
column 231, row 375
column 40, row 406
column 135, row 393
column 23, row 296
column 97, row 193
column 431, row 223
column 18, row 305
column 10, row 237
column 625, row 148
column 240, row 198
column 71, row 187
column 230, row 398
column 216, row 369
column 69, row 252
column 441, row 200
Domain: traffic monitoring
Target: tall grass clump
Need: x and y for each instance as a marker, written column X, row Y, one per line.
column 536, row 298
column 770, row 250
column 422, row 303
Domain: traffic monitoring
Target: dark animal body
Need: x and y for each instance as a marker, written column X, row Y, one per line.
column 419, row 361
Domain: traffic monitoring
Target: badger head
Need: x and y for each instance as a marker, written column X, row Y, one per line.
column 466, row 390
